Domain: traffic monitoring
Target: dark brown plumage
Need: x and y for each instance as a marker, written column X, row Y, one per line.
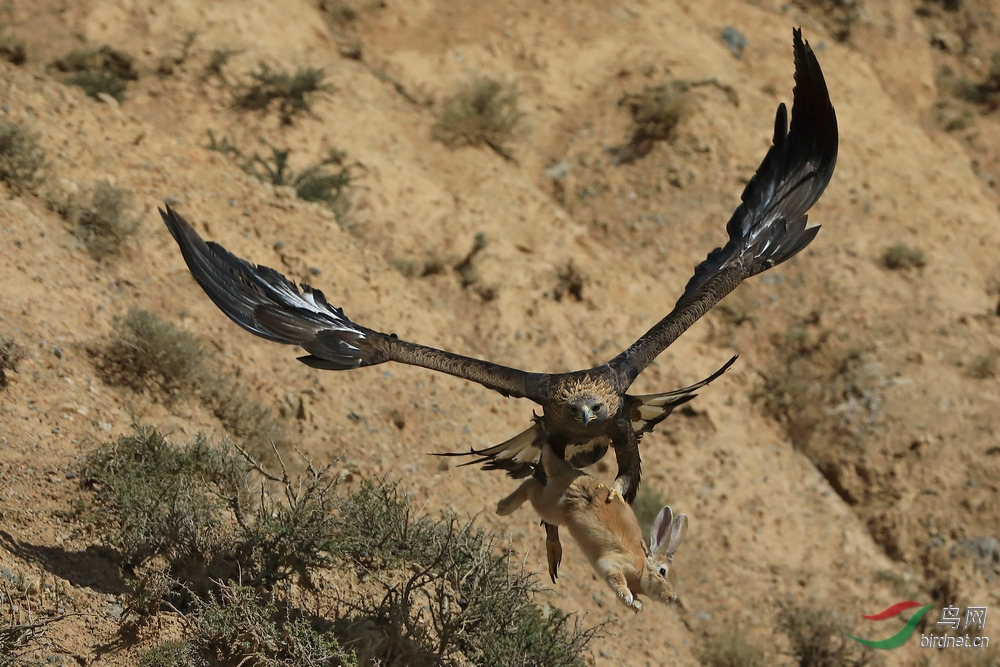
column 583, row 412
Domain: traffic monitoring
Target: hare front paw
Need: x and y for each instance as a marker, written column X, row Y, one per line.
column 629, row 600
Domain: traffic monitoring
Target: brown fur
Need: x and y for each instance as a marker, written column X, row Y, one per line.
column 606, row 529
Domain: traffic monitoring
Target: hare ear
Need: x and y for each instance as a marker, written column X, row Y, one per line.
column 660, row 528
column 677, row 532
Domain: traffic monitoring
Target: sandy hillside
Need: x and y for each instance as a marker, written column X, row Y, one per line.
column 851, row 457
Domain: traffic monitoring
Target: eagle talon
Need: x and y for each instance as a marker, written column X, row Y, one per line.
column 615, row 493
column 553, row 552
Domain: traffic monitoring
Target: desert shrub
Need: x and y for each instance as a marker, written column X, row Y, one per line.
column 327, row 182
column 232, row 535
column 458, row 591
column 146, row 353
column 217, row 61
column 730, row 647
column 983, row 366
column 101, row 70
column 11, row 355
column 901, row 257
column 13, row 50
column 245, row 418
column 21, row 158
column 483, row 111
column 468, row 273
column 570, row 282
column 985, row 93
column 106, row 223
column 146, row 591
column 290, row 91
column 157, row 497
column 817, row 637
column 27, row 618
column 656, row 113
column 171, row 653
column 240, row 624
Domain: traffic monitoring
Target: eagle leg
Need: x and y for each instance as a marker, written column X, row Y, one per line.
column 553, row 549
column 626, row 446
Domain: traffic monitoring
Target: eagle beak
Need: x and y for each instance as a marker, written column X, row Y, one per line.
column 586, row 415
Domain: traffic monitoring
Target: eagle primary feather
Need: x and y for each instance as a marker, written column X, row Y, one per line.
column 583, row 412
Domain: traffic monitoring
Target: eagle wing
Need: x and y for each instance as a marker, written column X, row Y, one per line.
column 769, row 226
column 267, row 304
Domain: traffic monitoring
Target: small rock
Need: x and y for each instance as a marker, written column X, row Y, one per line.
column 558, row 171
column 109, row 100
column 734, row 40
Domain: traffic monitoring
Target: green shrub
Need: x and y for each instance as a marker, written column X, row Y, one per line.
column 105, row 224
column 13, row 51
column 290, row 91
column 21, row 158
column 656, row 112
column 983, row 366
column 482, row 112
column 240, row 624
column 231, row 536
column 158, row 498
column 147, row 353
column 817, row 637
column 444, row 586
column 901, row 257
column 101, row 70
column 730, row 648
column 327, row 182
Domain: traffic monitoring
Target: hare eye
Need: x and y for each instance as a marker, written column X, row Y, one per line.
column 663, row 571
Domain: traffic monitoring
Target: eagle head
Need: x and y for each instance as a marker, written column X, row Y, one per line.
column 586, row 401
column 587, row 408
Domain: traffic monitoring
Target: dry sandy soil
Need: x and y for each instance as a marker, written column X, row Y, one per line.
column 850, row 459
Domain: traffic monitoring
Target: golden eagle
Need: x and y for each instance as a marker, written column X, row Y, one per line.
column 582, row 412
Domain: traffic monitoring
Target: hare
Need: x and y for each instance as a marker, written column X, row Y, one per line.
column 606, row 529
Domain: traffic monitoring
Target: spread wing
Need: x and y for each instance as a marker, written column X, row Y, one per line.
column 770, row 225
column 267, row 304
